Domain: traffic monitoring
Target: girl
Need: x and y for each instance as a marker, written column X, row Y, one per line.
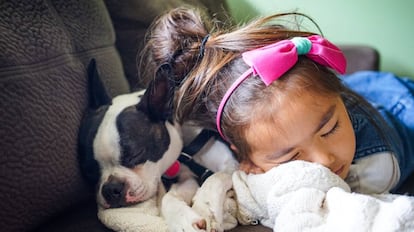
column 273, row 94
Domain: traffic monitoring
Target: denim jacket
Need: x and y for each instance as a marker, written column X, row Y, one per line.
column 393, row 97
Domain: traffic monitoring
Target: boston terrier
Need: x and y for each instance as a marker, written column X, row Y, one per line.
column 129, row 142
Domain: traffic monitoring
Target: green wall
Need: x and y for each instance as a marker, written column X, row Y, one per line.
column 385, row 25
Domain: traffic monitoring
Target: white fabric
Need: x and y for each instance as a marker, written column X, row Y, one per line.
column 143, row 217
column 303, row 196
column 377, row 173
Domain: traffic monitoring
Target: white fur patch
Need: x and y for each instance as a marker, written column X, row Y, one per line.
column 174, row 149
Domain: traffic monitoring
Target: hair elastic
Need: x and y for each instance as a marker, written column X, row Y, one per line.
column 203, row 46
column 272, row 61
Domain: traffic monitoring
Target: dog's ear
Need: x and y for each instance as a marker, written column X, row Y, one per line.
column 158, row 98
column 98, row 95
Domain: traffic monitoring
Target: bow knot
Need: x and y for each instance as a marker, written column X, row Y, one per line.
column 303, row 45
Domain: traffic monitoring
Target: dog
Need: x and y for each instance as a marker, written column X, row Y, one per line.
column 127, row 143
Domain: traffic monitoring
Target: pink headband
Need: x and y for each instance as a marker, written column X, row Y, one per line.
column 272, row 61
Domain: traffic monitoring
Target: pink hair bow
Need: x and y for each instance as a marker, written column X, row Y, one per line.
column 274, row 60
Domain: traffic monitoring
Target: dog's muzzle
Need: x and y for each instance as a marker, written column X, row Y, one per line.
column 114, row 191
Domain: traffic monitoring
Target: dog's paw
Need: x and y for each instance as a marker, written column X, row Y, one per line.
column 209, row 221
column 230, row 211
column 215, row 203
column 176, row 211
column 218, row 219
column 185, row 219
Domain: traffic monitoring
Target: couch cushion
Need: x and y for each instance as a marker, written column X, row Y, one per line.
column 45, row 48
column 79, row 218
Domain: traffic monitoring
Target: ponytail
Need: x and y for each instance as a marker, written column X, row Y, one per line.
column 174, row 38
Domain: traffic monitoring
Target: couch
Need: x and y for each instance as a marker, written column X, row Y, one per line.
column 45, row 46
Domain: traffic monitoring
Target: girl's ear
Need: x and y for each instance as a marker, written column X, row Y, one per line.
column 157, row 101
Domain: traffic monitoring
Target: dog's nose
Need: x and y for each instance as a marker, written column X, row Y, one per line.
column 114, row 192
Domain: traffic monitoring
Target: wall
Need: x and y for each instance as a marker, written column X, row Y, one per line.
column 386, row 25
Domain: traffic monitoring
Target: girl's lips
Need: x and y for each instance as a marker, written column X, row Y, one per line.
column 339, row 171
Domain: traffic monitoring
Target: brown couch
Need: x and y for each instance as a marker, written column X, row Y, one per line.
column 45, row 46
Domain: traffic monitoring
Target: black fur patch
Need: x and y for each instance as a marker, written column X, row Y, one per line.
column 87, row 132
column 141, row 139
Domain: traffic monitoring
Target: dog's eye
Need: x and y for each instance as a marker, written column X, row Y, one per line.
column 140, row 139
column 130, row 159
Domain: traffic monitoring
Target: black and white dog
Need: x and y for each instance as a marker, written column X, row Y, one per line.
column 128, row 142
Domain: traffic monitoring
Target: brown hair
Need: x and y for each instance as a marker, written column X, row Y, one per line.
column 175, row 38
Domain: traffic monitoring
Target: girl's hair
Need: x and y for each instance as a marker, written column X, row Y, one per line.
column 204, row 71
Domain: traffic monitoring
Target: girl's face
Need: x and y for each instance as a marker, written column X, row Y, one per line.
column 306, row 127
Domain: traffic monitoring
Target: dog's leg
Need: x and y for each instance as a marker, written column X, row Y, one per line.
column 230, row 211
column 175, row 206
column 215, row 202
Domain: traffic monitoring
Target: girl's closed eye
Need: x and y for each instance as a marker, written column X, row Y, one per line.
column 332, row 130
column 294, row 157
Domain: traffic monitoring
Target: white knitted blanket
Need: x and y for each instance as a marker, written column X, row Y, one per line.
column 302, row 196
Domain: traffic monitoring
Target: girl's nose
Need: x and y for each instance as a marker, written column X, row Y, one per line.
column 322, row 156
